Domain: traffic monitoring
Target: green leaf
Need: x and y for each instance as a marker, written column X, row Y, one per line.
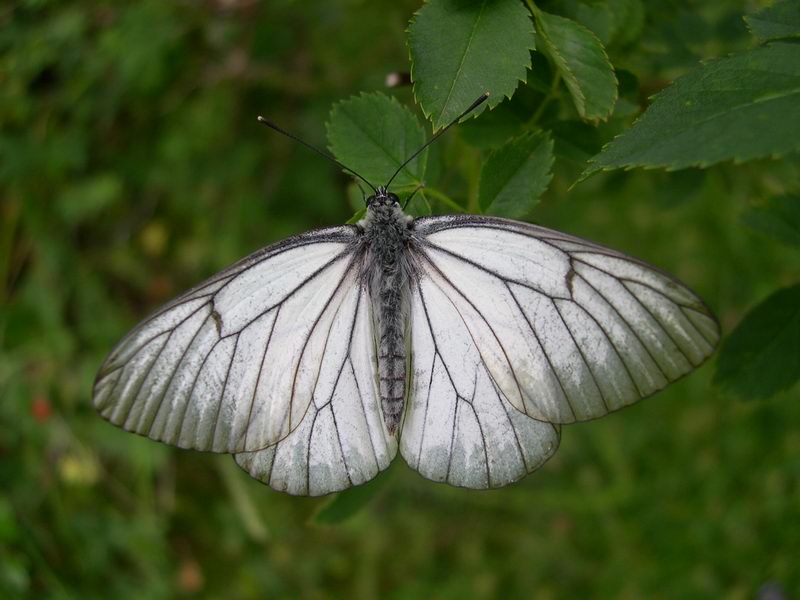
column 340, row 507
column 515, row 176
column 781, row 20
column 737, row 108
column 463, row 48
column 779, row 218
column 373, row 134
column 582, row 61
column 762, row 355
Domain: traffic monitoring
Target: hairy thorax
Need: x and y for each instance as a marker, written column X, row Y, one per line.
column 387, row 234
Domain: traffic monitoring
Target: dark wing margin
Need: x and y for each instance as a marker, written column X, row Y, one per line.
column 232, row 364
column 568, row 329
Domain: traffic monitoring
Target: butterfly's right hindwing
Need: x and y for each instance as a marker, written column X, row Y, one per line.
column 231, row 366
column 459, row 428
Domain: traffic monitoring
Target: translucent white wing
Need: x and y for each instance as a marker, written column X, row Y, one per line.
column 567, row 329
column 458, row 427
column 342, row 440
column 232, row 365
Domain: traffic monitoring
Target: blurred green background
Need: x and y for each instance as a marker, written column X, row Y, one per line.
column 132, row 167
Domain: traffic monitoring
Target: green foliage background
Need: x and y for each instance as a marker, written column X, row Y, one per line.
column 132, row 166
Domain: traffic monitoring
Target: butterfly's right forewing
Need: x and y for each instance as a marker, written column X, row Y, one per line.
column 231, row 365
column 569, row 330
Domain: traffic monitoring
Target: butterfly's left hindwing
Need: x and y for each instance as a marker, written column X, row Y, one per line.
column 567, row 329
column 342, row 440
column 232, row 365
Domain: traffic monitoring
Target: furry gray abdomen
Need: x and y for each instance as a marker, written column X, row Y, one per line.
column 387, row 235
column 391, row 349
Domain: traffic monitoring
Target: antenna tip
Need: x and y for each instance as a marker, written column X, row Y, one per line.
column 261, row 119
column 486, row 94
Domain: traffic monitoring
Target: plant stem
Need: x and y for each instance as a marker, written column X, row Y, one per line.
column 551, row 95
column 533, row 8
column 556, row 78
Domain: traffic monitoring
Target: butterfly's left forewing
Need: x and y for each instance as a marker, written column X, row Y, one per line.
column 232, row 365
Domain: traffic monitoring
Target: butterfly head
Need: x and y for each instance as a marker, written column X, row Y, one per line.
column 382, row 197
column 384, row 214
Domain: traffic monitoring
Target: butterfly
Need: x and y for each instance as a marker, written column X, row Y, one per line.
column 463, row 342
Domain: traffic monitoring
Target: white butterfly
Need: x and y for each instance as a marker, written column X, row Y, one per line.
column 464, row 341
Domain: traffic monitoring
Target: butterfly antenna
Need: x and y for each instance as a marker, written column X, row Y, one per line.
column 473, row 106
column 323, row 154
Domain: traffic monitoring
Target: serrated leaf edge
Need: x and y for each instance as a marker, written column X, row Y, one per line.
column 581, row 108
column 747, row 18
column 590, row 170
